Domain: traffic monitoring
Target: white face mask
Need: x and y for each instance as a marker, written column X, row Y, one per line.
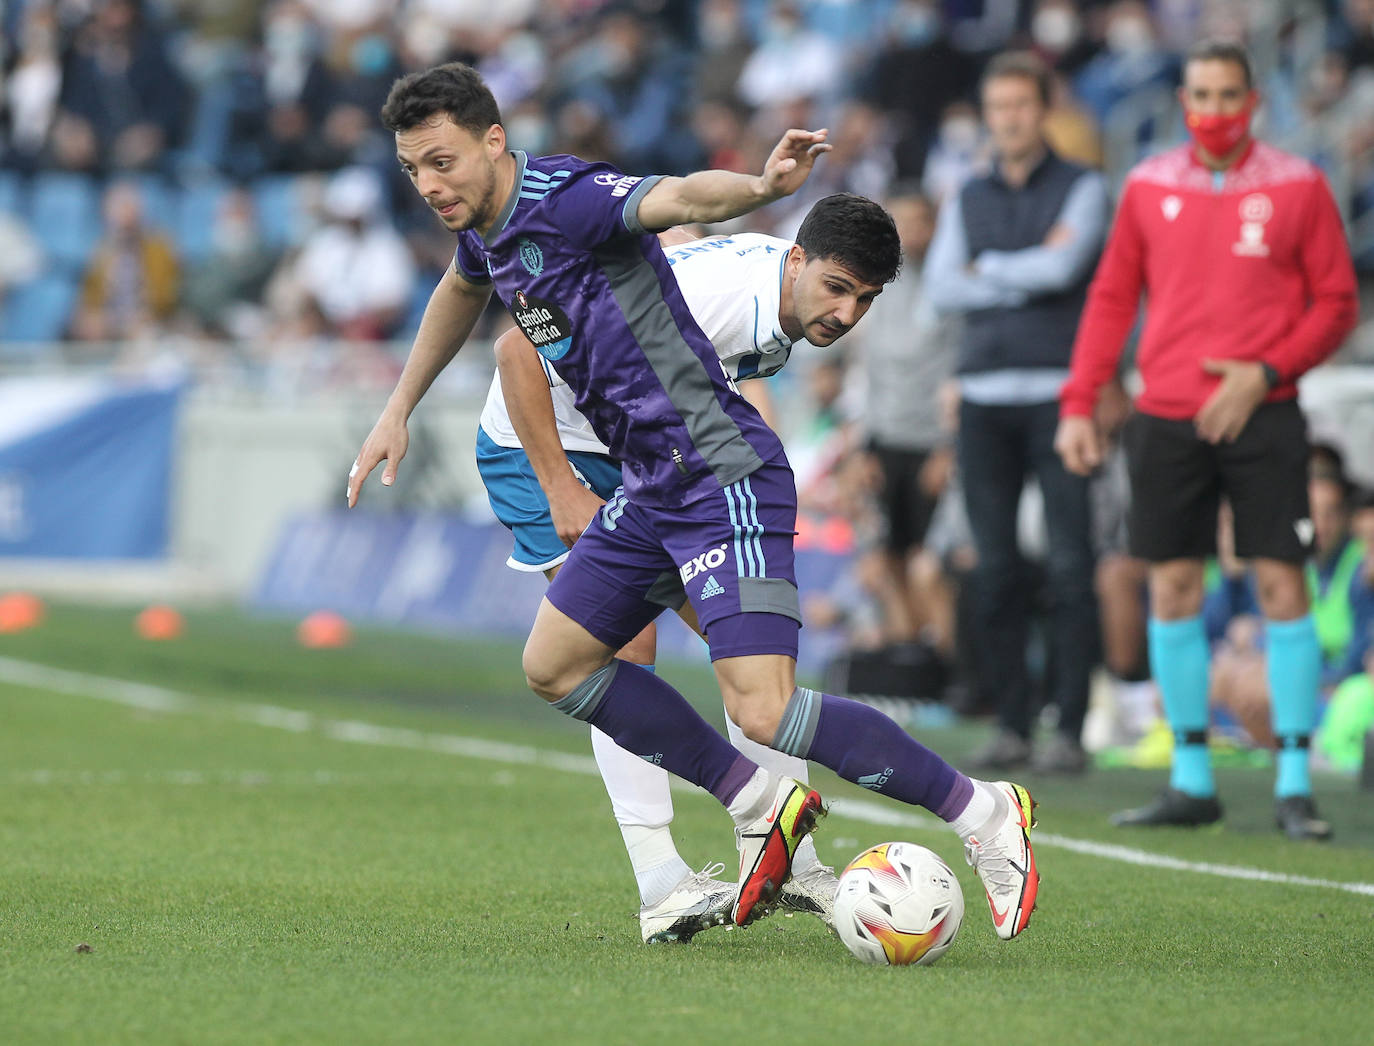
column 1130, row 36
column 1055, row 29
column 960, row 134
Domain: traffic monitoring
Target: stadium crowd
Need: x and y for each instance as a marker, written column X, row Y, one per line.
column 207, row 180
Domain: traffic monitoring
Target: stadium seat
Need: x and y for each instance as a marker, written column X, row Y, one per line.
column 197, row 208
column 282, row 213
column 161, row 202
column 11, row 192
column 38, row 311
column 64, row 211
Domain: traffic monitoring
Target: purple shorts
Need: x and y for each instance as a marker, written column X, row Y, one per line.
column 729, row 553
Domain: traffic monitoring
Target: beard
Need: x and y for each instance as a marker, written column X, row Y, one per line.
column 479, row 212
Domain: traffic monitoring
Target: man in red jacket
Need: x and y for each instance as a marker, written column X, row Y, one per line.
column 1240, row 250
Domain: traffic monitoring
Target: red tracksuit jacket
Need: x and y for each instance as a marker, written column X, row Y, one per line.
column 1256, row 268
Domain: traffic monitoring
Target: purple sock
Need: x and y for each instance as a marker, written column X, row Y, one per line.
column 864, row 746
column 644, row 715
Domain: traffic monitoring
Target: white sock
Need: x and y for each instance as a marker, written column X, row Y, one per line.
column 980, row 808
column 749, row 803
column 806, row 857
column 655, row 860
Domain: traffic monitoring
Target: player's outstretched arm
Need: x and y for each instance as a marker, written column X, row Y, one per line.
column 449, row 317
column 714, row 196
column 526, row 391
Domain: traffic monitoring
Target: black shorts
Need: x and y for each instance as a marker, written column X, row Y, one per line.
column 1178, row 479
column 906, row 508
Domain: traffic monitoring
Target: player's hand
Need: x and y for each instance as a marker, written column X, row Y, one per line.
column 1243, row 387
column 387, row 442
column 791, row 161
column 1078, row 444
column 572, row 507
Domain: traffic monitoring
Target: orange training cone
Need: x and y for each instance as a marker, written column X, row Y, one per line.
column 20, row 610
column 324, row 629
column 159, row 622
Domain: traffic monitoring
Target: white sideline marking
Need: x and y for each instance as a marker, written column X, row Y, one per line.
column 245, row 778
column 160, row 699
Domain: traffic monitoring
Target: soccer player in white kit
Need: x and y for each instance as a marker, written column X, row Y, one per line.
column 745, row 292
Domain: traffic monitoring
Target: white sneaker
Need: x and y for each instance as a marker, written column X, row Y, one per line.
column 697, row 903
column 813, row 892
column 1000, row 852
column 767, row 845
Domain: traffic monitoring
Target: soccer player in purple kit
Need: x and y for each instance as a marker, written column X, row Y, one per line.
column 570, row 248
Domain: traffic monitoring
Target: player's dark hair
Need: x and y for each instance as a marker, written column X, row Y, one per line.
column 1220, row 51
column 1023, row 65
column 454, row 88
column 857, row 233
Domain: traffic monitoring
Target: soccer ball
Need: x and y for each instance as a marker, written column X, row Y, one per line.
column 899, row 904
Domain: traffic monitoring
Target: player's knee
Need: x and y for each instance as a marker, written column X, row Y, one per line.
column 758, row 719
column 544, row 674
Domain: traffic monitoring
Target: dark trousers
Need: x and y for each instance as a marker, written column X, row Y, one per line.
column 998, row 448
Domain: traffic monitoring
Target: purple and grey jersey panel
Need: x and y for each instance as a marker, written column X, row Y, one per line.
column 592, row 289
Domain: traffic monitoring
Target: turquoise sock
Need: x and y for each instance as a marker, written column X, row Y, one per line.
column 1295, row 666
column 1178, row 661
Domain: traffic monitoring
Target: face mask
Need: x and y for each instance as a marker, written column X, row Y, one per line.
column 916, row 25
column 1217, row 134
column 1055, row 29
column 1130, row 36
column 959, row 134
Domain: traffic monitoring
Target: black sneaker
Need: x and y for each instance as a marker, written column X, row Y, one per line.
column 1171, row 807
column 1296, row 816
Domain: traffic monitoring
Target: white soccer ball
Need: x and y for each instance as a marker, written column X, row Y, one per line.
column 898, row 904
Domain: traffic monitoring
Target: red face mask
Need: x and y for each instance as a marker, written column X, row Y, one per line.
column 1218, row 134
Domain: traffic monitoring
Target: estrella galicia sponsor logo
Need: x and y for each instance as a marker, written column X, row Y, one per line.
column 701, row 564
column 619, row 184
column 544, row 323
column 531, row 256
column 875, row 782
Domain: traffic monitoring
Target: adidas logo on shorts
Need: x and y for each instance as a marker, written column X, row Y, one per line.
column 712, row 587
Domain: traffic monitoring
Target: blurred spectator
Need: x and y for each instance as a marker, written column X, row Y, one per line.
column 132, row 284
column 957, row 152
column 1014, row 251
column 725, row 47
column 278, row 98
column 1132, row 62
column 790, row 62
column 1070, row 129
column 906, row 355
column 634, row 79
column 914, row 76
column 1353, row 33
column 224, row 291
column 1057, row 36
column 356, row 268
column 21, row 257
column 122, row 98
column 32, row 89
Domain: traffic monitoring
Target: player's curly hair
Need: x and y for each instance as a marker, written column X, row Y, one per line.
column 857, row 233
column 452, row 88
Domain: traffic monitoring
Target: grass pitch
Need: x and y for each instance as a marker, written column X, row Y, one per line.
column 395, row 842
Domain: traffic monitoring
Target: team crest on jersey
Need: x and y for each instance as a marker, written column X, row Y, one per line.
column 531, row 256
column 1255, row 211
column 544, row 323
column 1171, row 205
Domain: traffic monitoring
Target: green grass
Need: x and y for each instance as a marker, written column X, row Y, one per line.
column 239, row 883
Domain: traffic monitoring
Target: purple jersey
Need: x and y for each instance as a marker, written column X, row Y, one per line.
column 592, row 289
